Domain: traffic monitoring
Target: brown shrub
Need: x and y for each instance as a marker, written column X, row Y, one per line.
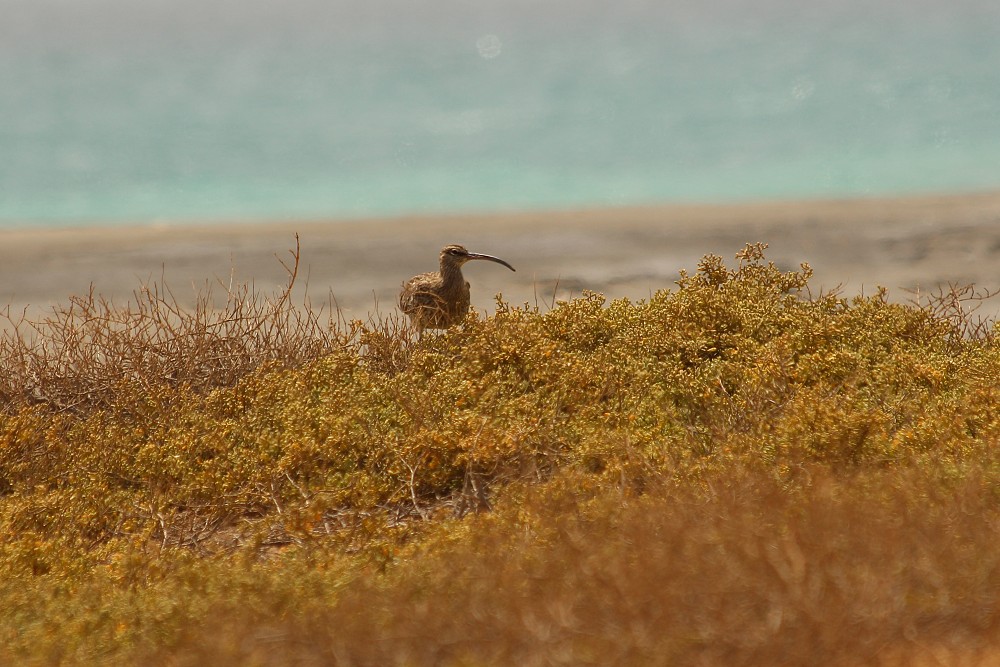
column 869, row 569
column 93, row 353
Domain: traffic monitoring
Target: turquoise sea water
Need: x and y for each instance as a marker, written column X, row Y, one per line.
column 118, row 110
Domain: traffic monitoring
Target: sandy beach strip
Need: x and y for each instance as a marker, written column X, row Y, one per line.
column 900, row 243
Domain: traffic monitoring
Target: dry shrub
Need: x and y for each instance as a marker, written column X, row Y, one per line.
column 262, row 443
column 868, row 569
column 91, row 353
column 959, row 306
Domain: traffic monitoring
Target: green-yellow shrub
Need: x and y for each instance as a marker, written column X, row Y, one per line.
column 350, row 461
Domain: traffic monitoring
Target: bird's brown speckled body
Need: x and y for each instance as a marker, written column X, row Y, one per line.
column 439, row 299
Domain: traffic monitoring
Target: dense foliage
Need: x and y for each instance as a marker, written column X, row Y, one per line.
column 733, row 470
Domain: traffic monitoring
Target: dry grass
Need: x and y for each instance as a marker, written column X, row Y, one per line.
column 735, row 471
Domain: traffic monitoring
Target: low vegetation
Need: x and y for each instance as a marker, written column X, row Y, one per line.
column 735, row 471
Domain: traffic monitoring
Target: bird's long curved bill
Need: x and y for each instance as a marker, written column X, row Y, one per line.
column 476, row 255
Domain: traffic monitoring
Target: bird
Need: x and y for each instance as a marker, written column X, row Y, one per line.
column 439, row 299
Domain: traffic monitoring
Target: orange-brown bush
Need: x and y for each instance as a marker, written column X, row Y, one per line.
column 863, row 569
column 276, row 488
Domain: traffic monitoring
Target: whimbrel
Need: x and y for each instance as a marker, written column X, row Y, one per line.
column 440, row 299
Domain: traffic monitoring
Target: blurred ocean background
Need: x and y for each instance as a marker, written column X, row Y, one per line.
column 128, row 111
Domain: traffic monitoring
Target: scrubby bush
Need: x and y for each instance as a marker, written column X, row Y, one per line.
column 309, row 467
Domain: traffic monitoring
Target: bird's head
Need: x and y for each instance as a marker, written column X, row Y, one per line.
column 456, row 255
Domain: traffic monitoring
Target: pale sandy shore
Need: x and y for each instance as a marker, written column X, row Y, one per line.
column 907, row 243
